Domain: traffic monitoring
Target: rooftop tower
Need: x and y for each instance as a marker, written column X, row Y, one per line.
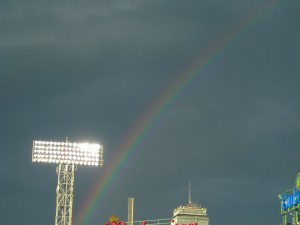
column 190, row 214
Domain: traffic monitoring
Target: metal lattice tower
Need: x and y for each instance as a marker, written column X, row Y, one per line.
column 66, row 156
column 64, row 193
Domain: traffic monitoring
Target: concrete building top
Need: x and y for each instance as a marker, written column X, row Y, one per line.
column 191, row 210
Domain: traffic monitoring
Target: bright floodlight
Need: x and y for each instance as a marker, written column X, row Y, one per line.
column 66, row 152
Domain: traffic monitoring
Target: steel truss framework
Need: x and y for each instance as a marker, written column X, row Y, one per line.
column 290, row 204
column 64, row 193
column 293, row 213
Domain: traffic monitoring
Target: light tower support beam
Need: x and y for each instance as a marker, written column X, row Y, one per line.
column 64, row 193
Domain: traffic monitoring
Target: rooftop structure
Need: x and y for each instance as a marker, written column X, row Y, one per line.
column 190, row 214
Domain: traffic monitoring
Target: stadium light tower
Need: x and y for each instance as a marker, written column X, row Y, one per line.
column 67, row 156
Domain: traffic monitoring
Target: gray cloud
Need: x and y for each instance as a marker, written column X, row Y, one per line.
column 89, row 70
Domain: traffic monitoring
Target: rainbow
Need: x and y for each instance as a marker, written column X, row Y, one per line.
column 112, row 173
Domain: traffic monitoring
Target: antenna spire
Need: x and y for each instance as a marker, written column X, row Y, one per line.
column 190, row 197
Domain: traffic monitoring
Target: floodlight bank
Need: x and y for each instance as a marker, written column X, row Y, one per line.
column 66, row 152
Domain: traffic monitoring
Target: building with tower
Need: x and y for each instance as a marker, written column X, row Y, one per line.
column 190, row 214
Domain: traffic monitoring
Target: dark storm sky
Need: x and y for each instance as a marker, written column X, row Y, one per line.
column 89, row 70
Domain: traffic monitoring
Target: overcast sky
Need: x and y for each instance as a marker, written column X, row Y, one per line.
column 90, row 70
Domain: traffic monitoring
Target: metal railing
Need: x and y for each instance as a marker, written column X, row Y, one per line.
column 166, row 221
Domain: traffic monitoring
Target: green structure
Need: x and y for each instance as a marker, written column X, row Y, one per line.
column 290, row 203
